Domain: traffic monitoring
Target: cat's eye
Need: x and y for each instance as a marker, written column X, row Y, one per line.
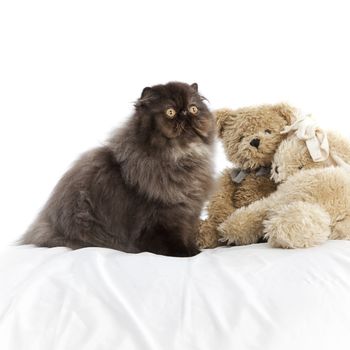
column 267, row 131
column 170, row 112
column 193, row 109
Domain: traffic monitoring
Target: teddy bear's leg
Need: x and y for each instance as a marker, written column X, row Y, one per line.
column 219, row 208
column 341, row 229
column 245, row 226
column 297, row 225
column 207, row 235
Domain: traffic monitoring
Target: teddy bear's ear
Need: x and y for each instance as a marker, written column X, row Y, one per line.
column 222, row 115
column 287, row 112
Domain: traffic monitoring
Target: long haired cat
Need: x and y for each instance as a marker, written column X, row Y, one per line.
column 144, row 189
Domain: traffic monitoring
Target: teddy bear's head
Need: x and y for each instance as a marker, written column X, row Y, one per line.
column 251, row 135
column 293, row 155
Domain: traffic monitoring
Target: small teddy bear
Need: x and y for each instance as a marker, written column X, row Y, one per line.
column 250, row 137
column 312, row 201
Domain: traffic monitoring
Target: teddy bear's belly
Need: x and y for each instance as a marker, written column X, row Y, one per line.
column 252, row 189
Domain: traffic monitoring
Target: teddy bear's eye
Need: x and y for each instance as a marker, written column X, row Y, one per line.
column 241, row 138
column 267, row 131
column 300, row 167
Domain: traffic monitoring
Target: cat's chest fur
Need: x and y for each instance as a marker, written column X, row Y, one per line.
column 194, row 150
column 194, row 164
column 182, row 175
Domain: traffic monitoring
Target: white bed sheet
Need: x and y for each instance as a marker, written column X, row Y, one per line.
column 251, row 297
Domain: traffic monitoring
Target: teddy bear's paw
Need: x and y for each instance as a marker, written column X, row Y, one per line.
column 244, row 226
column 341, row 229
column 297, row 225
column 207, row 242
column 225, row 238
column 232, row 234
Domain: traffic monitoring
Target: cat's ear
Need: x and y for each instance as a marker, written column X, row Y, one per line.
column 146, row 96
column 194, row 86
column 146, row 93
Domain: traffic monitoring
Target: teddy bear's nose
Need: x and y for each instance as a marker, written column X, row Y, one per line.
column 276, row 169
column 255, row 143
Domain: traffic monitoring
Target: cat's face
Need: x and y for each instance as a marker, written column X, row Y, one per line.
column 176, row 111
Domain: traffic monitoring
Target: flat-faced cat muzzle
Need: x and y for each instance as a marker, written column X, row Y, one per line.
column 183, row 114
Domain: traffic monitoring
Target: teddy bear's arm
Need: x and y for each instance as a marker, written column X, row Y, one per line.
column 219, row 208
column 254, row 188
column 341, row 229
column 245, row 225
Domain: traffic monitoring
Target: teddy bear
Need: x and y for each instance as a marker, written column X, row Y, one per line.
column 250, row 137
column 312, row 201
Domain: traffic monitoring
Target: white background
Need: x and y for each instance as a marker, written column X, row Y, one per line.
column 70, row 70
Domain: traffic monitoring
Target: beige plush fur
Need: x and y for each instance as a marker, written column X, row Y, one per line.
column 311, row 230
column 311, row 204
column 237, row 129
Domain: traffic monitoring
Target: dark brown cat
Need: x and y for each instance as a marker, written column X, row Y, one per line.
column 143, row 190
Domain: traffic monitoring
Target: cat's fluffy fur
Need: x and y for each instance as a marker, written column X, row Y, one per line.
column 144, row 189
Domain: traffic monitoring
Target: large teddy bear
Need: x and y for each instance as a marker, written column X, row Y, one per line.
column 250, row 137
column 312, row 201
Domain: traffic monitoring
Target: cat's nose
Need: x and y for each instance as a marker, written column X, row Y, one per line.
column 184, row 113
column 255, row 143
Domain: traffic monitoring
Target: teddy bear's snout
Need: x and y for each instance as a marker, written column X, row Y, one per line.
column 255, row 143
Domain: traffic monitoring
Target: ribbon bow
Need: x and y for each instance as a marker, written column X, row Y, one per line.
column 315, row 138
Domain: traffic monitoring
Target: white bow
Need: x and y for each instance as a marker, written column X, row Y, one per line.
column 315, row 138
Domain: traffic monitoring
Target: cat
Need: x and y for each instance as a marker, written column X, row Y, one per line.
column 144, row 189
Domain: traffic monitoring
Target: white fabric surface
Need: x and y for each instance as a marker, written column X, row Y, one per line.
column 251, row 297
